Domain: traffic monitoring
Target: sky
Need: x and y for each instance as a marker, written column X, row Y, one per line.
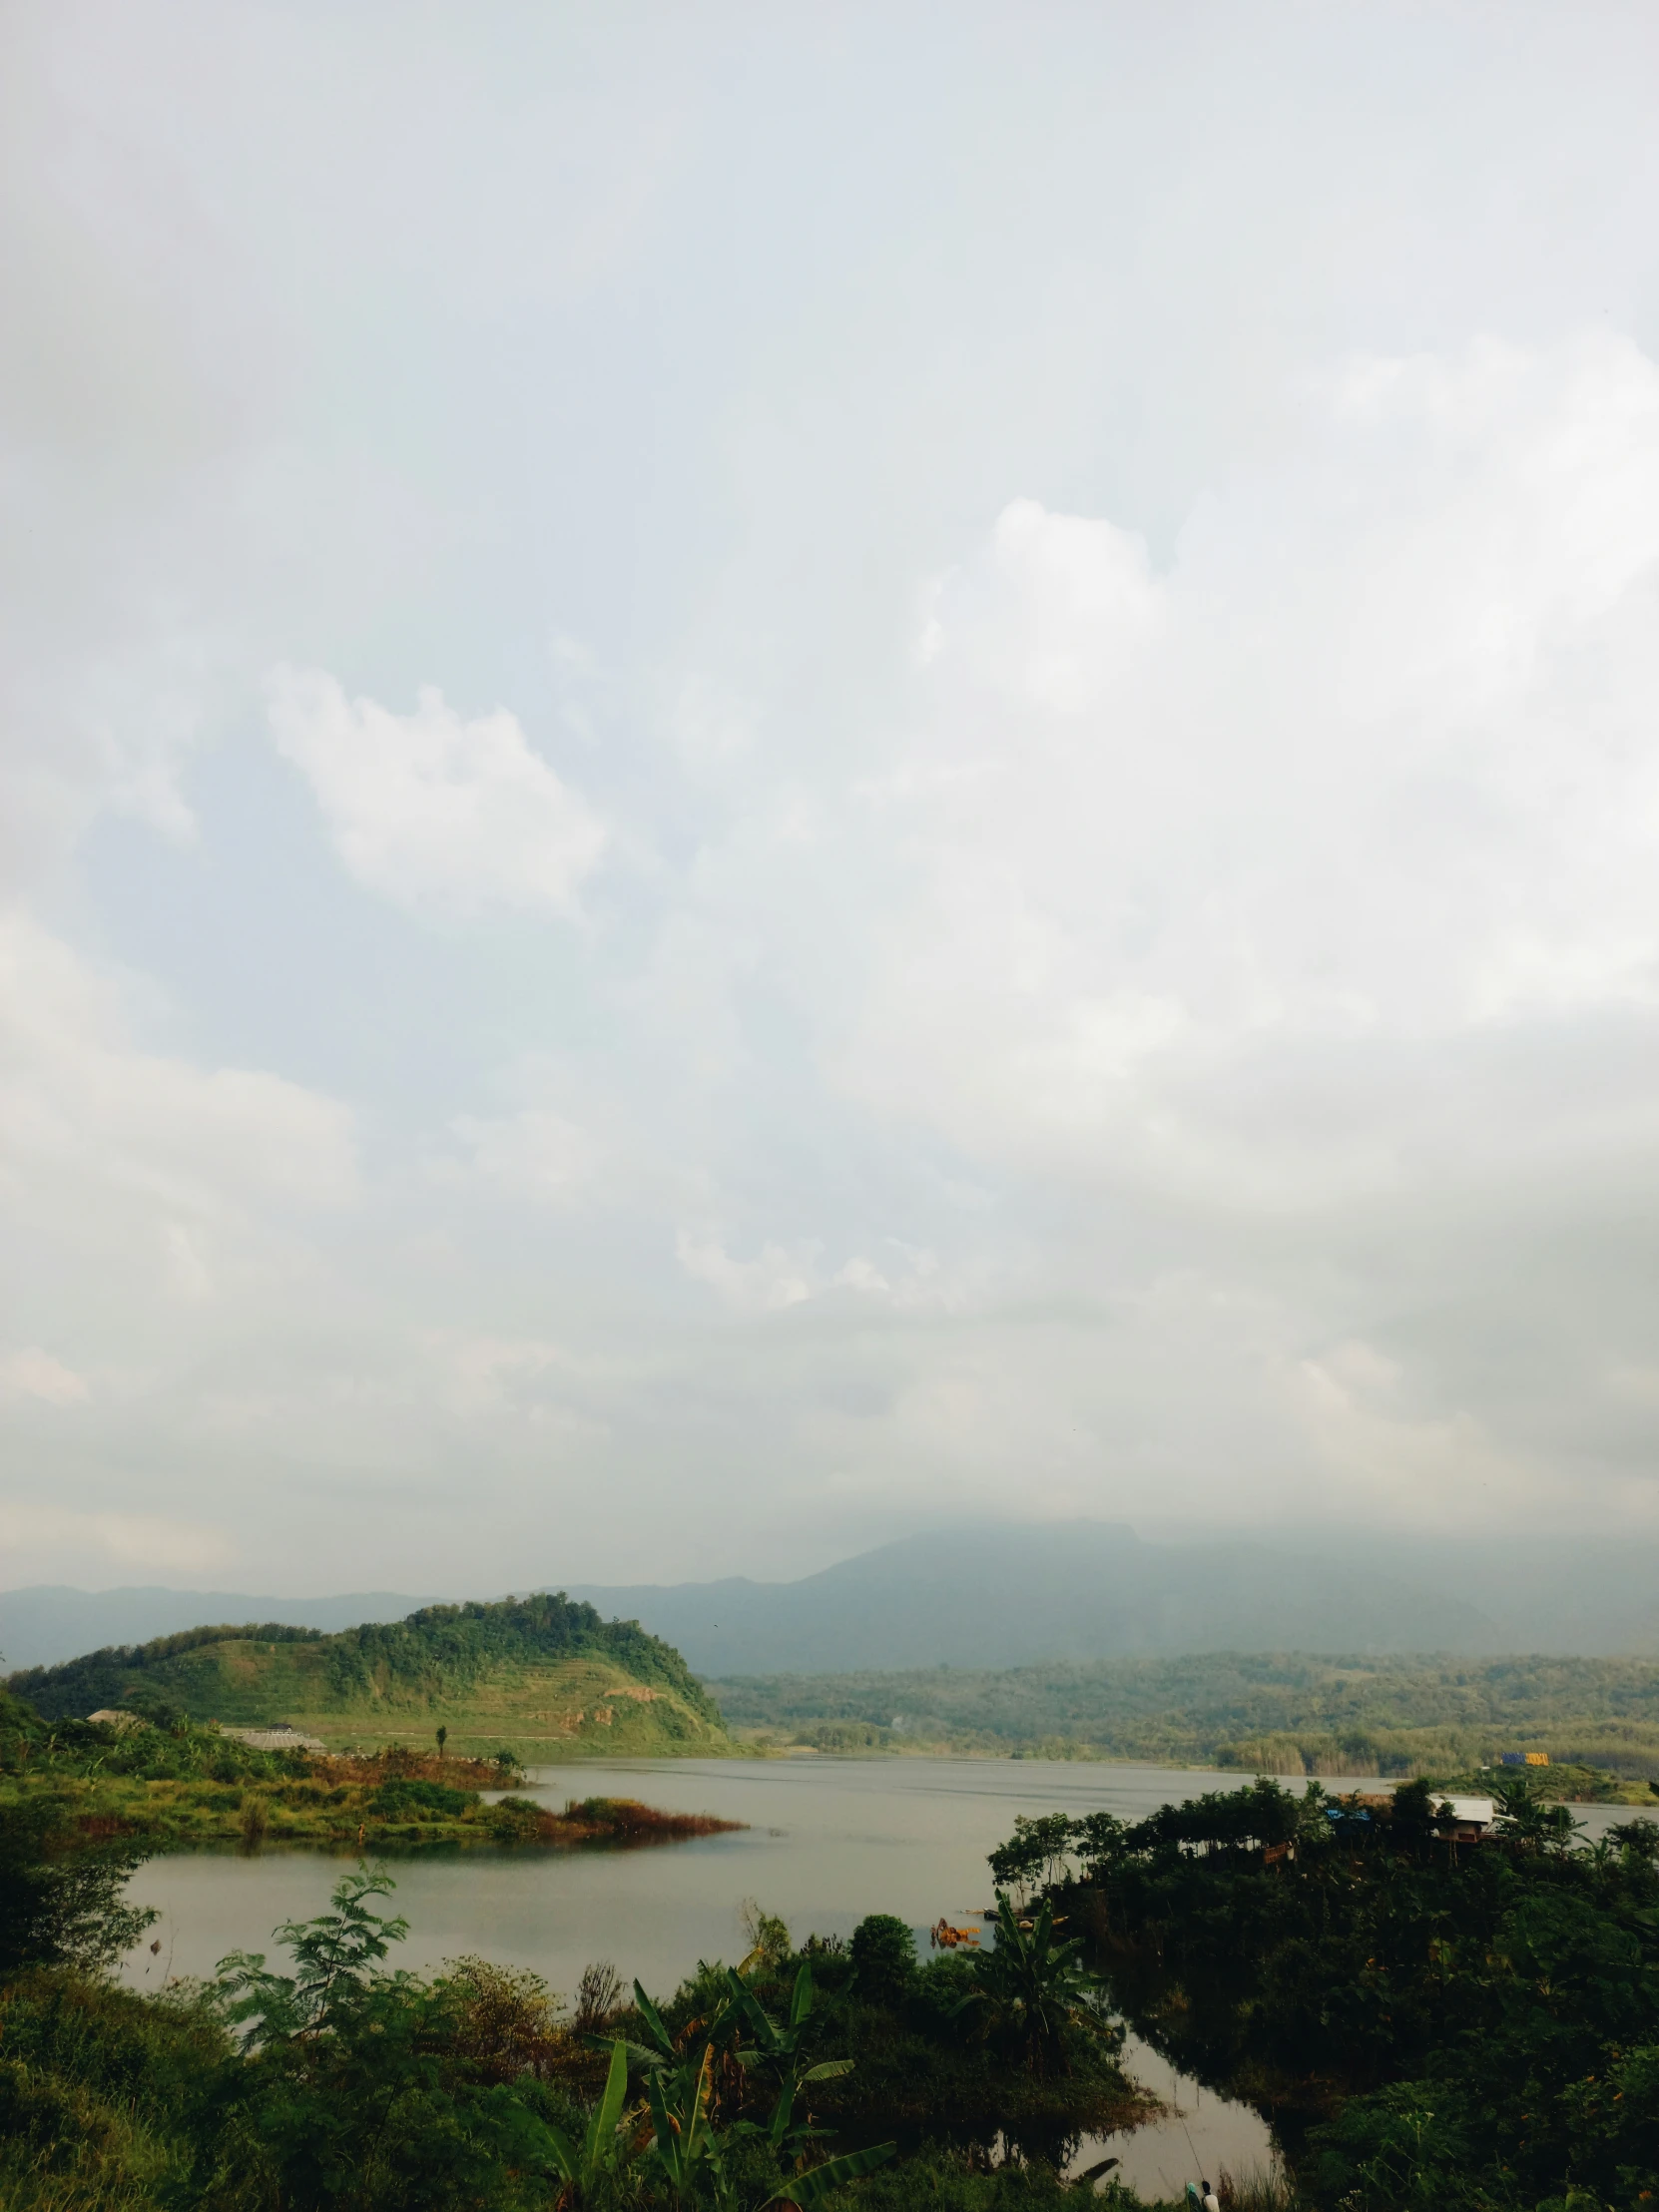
column 771, row 774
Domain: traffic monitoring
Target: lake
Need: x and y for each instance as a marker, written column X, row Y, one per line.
column 827, row 1842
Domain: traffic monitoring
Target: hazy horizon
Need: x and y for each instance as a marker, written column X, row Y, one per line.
column 1295, row 1541
column 772, row 776
column 992, row 1596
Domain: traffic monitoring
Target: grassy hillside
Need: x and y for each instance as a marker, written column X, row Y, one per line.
column 1257, row 1711
column 542, row 1676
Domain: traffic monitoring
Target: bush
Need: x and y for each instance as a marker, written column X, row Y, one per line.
column 404, row 1800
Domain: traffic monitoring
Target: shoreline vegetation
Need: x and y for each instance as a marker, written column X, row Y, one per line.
column 546, row 1680
column 1424, row 2019
column 1254, row 1712
column 177, row 1784
column 1561, row 1784
column 837, row 2076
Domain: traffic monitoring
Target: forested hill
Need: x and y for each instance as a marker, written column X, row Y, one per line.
column 538, row 1669
column 1275, row 1713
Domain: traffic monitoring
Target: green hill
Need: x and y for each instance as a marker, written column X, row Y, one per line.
column 1285, row 1712
column 543, row 1676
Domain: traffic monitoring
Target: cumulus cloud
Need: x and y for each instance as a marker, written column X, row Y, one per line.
column 1372, row 759
column 1128, row 963
column 428, row 809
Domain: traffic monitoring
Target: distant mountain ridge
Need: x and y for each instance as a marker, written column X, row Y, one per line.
column 1020, row 1595
column 1017, row 1596
column 1076, row 1591
column 49, row 1623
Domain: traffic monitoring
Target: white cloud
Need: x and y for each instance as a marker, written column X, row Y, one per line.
column 31, row 1373
column 83, row 1100
column 774, row 1280
column 429, row 810
column 161, row 1224
column 1375, row 758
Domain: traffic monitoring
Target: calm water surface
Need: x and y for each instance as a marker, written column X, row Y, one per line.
column 827, row 1842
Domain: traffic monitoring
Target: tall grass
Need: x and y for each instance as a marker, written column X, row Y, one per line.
column 1266, row 2188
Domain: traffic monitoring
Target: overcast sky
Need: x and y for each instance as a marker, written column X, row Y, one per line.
column 770, row 774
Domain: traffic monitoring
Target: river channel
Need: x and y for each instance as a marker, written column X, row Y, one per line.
column 827, row 1841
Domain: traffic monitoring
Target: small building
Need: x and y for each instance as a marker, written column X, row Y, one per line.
column 1470, row 1816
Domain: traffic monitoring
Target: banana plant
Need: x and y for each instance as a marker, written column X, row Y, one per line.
column 1030, row 1989
column 781, row 2047
column 813, row 2188
column 659, row 2048
column 678, row 2092
column 781, row 2044
column 604, row 2148
column 684, row 2141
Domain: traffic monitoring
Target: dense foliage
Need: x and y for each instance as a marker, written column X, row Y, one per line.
column 1262, row 1712
column 1430, row 2020
column 441, row 1650
column 184, row 1782
column 332, row 2082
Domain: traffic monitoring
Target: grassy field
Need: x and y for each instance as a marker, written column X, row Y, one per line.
column 580, row 1707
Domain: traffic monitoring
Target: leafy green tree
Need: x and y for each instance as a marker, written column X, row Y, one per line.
column 332, row 1956
column 884, row 1957
column 62, row 1904
column 1035, row 1853
column 1097, row 1839
column 781, row 2051
column 351, row 2092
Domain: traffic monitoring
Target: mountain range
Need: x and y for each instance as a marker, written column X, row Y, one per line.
column 1010, row 1597
column 1017, row 1595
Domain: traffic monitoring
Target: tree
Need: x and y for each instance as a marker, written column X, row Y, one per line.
column 332, row 1954
column 1036, row 1851
column 783, row 2049
column 60, row 1903
column 884, row 1957
column 355, row 2089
